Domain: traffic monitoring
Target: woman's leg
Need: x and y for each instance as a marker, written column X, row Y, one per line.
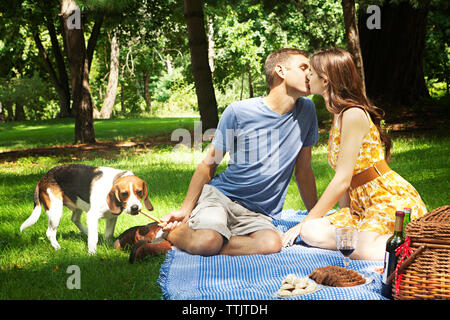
column 321, row 233
column 371, row 246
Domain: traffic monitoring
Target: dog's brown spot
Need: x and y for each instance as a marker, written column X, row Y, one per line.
column 68, row 202
column 44, row 197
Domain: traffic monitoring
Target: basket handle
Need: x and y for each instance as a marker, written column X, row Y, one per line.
column 407, row 262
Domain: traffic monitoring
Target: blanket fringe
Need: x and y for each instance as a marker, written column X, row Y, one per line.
column 164, row 274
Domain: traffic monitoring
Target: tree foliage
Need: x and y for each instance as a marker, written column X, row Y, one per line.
column 245, row 32
column 437, row 50
column 154, row 59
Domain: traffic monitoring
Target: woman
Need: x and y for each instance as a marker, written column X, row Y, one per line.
column 368, row 200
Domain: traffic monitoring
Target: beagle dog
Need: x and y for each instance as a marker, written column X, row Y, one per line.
column 102, row 192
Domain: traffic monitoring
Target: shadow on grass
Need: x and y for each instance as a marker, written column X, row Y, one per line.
column 105, row 275
column 31, row 269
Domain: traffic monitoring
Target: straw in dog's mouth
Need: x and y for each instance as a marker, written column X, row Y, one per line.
column 150, row 216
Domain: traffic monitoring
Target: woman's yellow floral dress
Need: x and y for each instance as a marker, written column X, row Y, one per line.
column 373, row 205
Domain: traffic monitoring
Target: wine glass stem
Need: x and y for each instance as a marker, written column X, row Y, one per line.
column 346, row 261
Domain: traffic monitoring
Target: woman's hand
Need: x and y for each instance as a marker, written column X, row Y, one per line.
column 289, row 236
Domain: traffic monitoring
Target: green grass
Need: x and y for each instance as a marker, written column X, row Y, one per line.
column 31, row 269
column 40, row 133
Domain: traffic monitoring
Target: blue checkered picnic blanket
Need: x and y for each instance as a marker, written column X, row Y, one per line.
column 191, row 277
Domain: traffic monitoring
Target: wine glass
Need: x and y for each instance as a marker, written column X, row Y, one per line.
column 346, row 239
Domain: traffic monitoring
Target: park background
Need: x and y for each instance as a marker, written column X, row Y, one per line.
column 113, row 90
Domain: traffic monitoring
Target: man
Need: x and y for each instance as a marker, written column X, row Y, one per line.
column 267, row 138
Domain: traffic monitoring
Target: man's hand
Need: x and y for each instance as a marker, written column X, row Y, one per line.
column 289, row 236
column 173, row 219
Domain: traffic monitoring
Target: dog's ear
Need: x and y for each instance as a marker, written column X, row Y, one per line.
column 113, row 201
column 147, row 202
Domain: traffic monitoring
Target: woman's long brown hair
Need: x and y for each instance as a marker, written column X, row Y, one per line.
column 345, row 88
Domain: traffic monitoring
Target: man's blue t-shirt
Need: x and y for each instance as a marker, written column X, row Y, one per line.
column 263, row 147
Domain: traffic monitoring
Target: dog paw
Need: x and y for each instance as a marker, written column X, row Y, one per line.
column 56, row 246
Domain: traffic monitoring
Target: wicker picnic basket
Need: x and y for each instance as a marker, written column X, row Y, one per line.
column 428, row 275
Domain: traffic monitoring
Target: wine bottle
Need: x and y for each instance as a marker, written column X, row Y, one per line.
column 390, row 260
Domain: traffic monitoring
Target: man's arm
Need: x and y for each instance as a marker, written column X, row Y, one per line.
column 203, row 174
column 304, row 176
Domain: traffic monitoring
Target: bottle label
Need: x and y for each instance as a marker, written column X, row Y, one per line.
column 385, row 267
column 390, row 263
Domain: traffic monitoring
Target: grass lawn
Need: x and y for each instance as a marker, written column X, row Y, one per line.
column 31, row 134
column 31, row 269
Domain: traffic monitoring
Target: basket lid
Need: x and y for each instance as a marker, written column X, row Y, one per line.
column 432, row 225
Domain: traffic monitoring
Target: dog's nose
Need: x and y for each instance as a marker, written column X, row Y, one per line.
column 134, row 208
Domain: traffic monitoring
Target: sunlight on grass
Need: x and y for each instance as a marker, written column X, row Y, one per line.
column 31, row 269
column 33, row 134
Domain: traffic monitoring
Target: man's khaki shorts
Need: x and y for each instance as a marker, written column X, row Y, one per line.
column 216, row 211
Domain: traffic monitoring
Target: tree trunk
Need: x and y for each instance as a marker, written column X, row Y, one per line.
column 250, row 82
column 111, row 90
column 211, row 44
column 146, row 93
column 207, row 104
column 352, row 36
column 61, row 88
column 20, row 113
column 9, row 108
column 169, row 65
column 122, row 97
column 393, row 54
column 64, row 95
column 2, row 114
column 79, row 73
column 92, row 42
column 242, row 84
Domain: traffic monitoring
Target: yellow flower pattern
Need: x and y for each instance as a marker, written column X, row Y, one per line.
column 373, row 205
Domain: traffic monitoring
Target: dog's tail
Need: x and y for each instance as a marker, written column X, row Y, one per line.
column 36, row 211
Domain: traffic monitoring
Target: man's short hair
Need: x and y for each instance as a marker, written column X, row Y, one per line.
column 279, row 57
